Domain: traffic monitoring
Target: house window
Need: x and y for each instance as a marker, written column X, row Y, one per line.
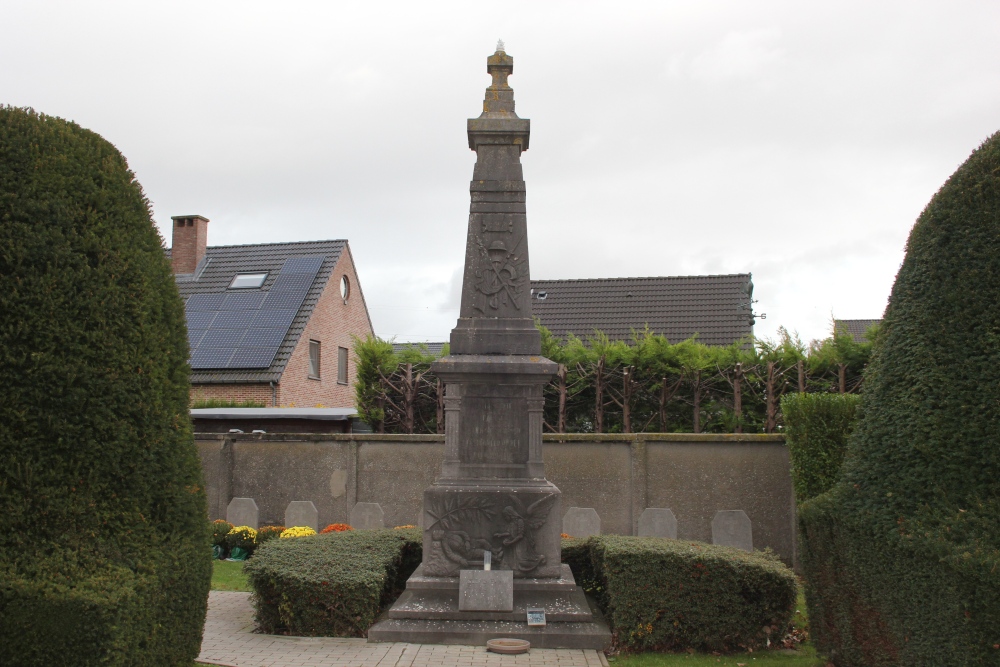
column 345, row 288
column 342, row 365
column 314, row 359
column 247, row 280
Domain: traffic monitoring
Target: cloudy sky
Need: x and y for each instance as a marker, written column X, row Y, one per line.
column 797, row 141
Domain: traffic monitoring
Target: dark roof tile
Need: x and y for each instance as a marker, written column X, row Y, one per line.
column 716, row 308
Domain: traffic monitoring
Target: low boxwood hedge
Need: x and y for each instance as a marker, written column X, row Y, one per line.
column 660, row 594
column 332, row 585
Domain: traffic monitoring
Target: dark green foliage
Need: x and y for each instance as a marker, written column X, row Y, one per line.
column 265, row 533
column 902, row 556
column 374, row 358
column 576, row 554
column 816, row 431
column 334, row 584
column 660, row 594
column 220, row 528
column 104, row 548
column 647, row 384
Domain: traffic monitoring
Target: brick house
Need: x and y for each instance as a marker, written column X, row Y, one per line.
column 718, row 309
column 270, row 323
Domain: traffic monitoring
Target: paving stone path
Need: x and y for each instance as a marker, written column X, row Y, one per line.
column 229, row 640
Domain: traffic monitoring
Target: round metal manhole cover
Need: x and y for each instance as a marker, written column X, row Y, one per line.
column 508, row 646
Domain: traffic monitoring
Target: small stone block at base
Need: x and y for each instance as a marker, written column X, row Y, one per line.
column 486, row 590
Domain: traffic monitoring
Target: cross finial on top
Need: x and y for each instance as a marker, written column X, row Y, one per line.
column 500, row 46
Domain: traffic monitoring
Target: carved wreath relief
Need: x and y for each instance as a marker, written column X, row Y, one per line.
column 464, row 526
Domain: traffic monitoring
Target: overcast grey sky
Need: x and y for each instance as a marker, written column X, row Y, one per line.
column 796, row 140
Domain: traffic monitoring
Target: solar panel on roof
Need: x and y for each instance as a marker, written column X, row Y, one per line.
column 252, row 357
column 245, row 330
column 234, row 319
column 210, row 357
column 309, row 265
column 203, row 302
column 200, row 319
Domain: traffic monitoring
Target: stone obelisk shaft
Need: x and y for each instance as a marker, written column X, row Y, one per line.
column 495, row 317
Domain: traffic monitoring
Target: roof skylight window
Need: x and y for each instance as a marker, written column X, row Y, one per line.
column 247, row 280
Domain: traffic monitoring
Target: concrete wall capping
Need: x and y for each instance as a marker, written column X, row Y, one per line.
column 556, row 438
column 663, row 437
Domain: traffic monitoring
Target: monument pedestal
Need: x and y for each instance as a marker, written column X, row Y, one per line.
column 427, row 613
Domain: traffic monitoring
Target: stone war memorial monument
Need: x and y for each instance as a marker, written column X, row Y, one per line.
column 491, row 521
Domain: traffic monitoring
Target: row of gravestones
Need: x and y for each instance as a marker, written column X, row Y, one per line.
column 730, row 528
column 244, row 512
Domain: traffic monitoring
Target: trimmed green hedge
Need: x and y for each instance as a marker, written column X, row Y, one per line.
column 816, row 429
column 660, row 594
column 332, row 585
column 902, row 556
column 105, row 556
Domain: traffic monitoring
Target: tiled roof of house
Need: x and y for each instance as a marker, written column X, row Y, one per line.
column 855, row 328
column 716, row 308
column 431, row 348
column 222, row 263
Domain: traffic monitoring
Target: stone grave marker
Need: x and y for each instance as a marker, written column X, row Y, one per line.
column 243, row 512
column 581, row 522
column 486, row 590
column 302, row 513
column 732, row 528
column 658, row 522
column 367, row 516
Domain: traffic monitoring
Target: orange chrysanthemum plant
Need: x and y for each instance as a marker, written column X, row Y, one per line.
column 336, row 528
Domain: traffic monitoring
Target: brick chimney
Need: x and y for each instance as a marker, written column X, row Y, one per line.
column 190, row 239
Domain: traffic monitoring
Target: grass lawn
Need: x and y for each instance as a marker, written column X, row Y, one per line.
column 228, row 576
column 805, row 656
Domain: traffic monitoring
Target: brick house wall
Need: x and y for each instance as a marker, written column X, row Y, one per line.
column 258, row 393
column 332, row 324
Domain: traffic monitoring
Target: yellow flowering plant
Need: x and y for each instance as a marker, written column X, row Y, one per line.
column 243, row 537
column 297, row 531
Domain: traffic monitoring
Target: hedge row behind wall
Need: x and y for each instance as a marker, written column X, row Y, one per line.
column 817, row 427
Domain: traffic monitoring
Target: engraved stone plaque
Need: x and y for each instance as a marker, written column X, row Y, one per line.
column 243, row 512
column 486, row 590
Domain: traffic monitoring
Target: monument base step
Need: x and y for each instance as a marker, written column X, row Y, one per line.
column 594, row 635
column 570, row 606
column 427, row 613
column 419, row 581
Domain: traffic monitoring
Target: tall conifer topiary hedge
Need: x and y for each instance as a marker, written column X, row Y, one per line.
column 902, row 556
column 104, row 549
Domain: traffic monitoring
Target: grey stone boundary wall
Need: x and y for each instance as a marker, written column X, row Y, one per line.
column 619, row 475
